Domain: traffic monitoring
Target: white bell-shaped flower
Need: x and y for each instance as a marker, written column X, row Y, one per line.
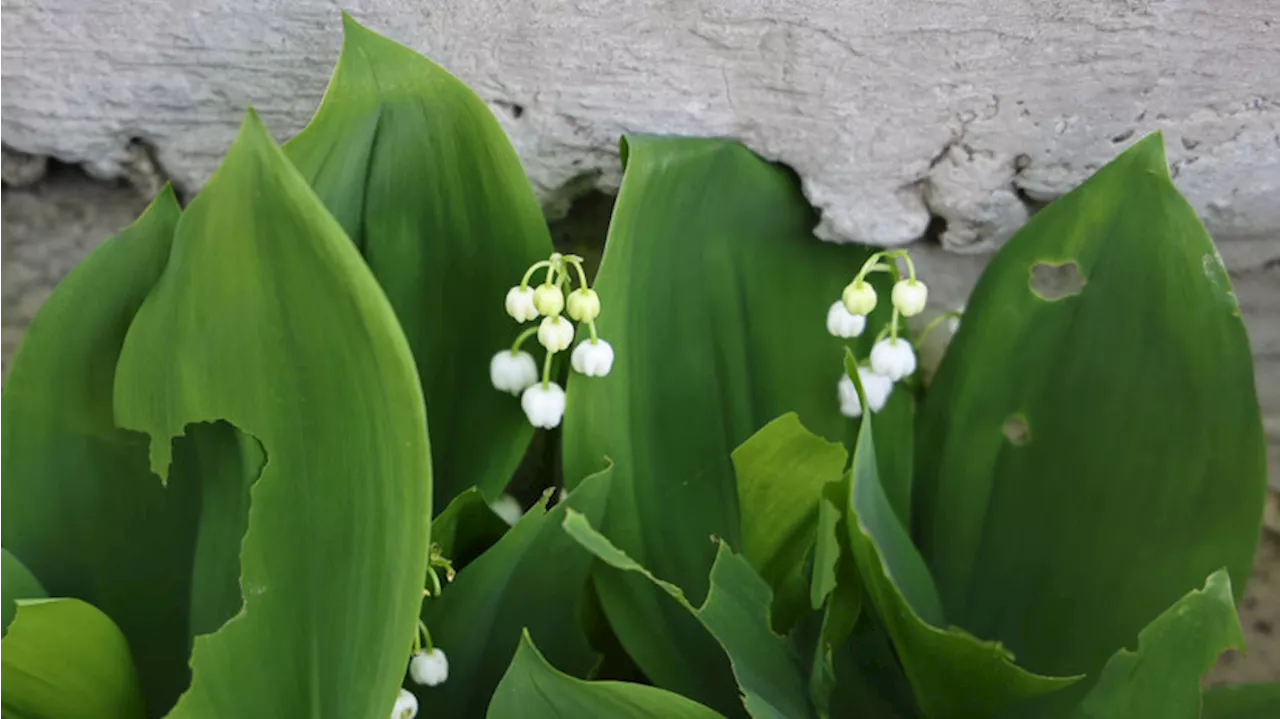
column 429, row 668
column 584, row 304
column 406, row 706
column 909, row 297
column 592, row 358
column 512, row 371
column 893, row 358
column 548, row 299
column 508, row 508
column 877, row 388
column 555, row 333
column 842, row 323
column 859, row 298
column 520, row 304
column 543, row 405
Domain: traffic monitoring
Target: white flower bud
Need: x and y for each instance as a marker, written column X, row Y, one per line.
column 429, row 668
column 544, row 406
column 877, row 388
column 512, row 371
column 859, row 298
column 520, row 304
column 406, row 706
column 584, row 304
column 508, row 508
column 893, row 358
column 910, row 296
column 593, row 359
column 555, row 333
column 843, row 324
column 548, row 299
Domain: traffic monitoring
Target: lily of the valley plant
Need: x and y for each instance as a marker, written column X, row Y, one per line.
column 267, row 456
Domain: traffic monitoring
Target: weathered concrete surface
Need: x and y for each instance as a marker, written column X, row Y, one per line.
column 891, row 110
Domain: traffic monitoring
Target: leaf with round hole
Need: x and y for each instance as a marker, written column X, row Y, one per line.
column 1090, row 450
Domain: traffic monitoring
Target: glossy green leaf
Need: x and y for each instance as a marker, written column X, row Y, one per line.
column 714, row 296
column 736, row 613
column 267, row 318
column 827, row 543
column 466, row 528
column 894, row 429
column 534, row 579
column 953, row 673
column 419, row 173
column 1242, row 701
column 780, row 473
column 75, row 485
column 64, row 659
column 534, row 689
column 1161, row 678
column 18, row 583
column 1134, row 461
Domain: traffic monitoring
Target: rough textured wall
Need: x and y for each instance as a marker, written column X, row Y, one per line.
column 892, row 111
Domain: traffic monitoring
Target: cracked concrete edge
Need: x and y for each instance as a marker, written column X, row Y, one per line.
column 893, row 114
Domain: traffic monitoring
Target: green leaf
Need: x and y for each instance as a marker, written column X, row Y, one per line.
column 714, row 296
column 780, row 472
column 420, row 175
column 953, row 673
column 1162, row 677
column 63, row 658
column 1134, row 465
column 826, row 549
column 267, row 318
column 533, row 580
column 18, row 583
column 894, row 429
column 467, row 527
column 1242, row 701
column 533, row 689
column 736, row 613
column 76, row 485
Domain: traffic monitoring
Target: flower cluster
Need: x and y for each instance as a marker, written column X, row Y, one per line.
column 514, row 370
column 892, row 357
column 428, row 664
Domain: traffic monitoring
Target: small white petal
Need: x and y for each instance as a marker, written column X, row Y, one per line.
column 893, row 358
column 593, row 359
column 910, row 297
column 508, row 508
column 406, row 706
column 429, row 668
column 849, row 404
column 877, row 388
column 555, row 333
column 842, row 323
column 520, row 304
column 544, row 406
column 512, row 372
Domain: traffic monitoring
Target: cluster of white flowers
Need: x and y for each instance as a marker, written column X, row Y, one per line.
column 892, row 357
column 428, row 667
column 514, row 370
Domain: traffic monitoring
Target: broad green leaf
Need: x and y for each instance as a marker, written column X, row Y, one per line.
column 18, row 583
column 420, row 175
column 714, row 296
column 533, row 689
column 62, row 658
column 534, row 580
column 1242, row 701
column 780, row 473
column 736, row 613
column 1162, row 677
column 466, row 528
column 267, row 318
column 953, row 673
column 894, row 429
column 75, row 485
column 1085, row 461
